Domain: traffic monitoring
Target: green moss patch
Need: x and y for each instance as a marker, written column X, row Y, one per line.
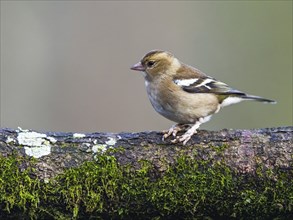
column 102, row 189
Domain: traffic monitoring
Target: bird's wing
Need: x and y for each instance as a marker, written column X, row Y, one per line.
column 206, row 85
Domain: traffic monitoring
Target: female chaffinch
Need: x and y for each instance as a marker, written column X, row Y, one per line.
column 184, row 94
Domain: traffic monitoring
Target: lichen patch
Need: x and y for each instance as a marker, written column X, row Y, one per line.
column 111, row 141
column 38, row 152
column 35, row 144
column 99, row 148
column 10, row 140
column 78, row 135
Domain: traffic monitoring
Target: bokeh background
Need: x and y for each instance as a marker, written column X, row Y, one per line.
column 65, row 64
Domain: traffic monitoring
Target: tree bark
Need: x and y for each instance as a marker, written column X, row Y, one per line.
column 240, row 149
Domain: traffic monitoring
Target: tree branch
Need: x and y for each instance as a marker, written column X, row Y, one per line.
column 240, row 149
column 241, row 174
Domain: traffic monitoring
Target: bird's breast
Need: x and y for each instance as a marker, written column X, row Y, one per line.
column 177, row 105
column 164, row 101
column 159, row 100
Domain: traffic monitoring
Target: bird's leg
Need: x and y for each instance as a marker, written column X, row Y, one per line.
column 191, row 131
column 174, row 130
column 188, row 134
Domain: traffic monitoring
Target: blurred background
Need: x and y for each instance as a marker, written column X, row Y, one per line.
column 65, row 64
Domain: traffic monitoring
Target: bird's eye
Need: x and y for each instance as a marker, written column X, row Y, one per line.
column 150, row 63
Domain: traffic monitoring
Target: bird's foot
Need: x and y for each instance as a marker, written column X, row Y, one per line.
column 184, row 138
column 174, row 130
column 187, row 135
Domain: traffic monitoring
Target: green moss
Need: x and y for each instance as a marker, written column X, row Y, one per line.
column 103, row 189
column 18, row 189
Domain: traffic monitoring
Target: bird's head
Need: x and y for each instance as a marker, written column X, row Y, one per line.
column 157, row 63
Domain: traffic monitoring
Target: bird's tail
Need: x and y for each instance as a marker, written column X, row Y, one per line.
column 259, row 99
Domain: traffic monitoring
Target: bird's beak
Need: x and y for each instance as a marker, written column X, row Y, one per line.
column 138, row 67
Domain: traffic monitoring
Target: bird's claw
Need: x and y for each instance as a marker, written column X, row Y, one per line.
column 182, row 138
column 172, row 131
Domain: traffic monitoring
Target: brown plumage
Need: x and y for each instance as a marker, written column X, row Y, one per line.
column 184, row 94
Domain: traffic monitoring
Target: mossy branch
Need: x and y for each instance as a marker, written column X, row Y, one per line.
column 240, row 149
column 241, row 174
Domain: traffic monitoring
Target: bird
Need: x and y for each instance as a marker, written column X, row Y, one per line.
column 184, row 94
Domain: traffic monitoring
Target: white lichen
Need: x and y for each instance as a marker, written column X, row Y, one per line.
column 77, row 135
column 99, row 148
column 111, row 141
column 23, row 130
column 31, row 138
column 9, row 140
column 38, row 152
column 35, row 144
column 52, row 140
